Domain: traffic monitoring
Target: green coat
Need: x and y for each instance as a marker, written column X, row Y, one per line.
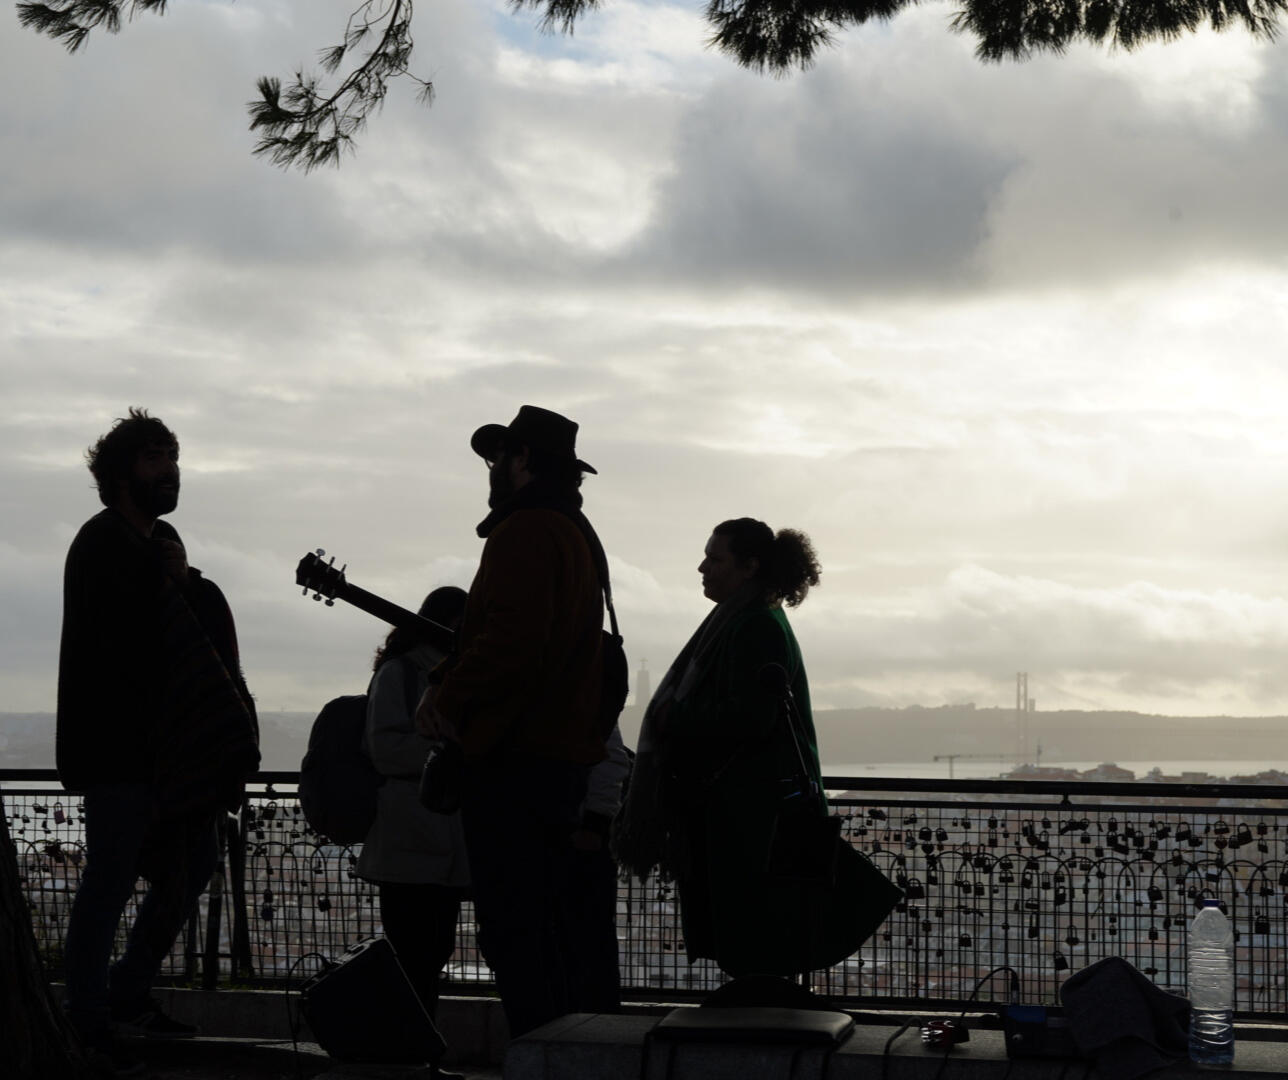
column 734, row 749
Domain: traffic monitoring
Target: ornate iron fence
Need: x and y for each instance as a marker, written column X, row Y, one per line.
column 1042, row 877
column 1047, row 878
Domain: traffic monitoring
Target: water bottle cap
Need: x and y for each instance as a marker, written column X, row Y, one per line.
column 1210, row 902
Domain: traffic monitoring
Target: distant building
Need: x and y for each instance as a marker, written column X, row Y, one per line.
column 1041, row 772
column 643, row 686
column 1109, row 772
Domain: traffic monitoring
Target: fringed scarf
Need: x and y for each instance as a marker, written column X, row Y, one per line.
column 206, row 742
column 207, row 745
column 646, row 832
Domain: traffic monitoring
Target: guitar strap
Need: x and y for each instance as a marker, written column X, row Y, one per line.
column 616, row 677
column 600, row 559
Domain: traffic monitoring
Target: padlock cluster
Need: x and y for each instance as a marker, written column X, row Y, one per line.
column 1050, row 890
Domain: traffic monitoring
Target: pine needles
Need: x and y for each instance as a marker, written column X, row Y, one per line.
column 304, row 124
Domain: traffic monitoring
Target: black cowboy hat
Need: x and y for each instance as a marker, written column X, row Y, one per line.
column 535, row 428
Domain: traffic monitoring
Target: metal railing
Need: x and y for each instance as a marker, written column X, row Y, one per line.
column 1042, row 877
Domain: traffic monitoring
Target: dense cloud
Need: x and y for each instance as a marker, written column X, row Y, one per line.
column 1006, row 341
column 835, row 183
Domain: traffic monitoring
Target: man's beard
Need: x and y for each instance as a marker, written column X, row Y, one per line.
column 500, row 487
column 152, row 497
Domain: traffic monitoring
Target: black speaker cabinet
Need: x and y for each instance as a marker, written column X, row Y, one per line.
column 362, row 1008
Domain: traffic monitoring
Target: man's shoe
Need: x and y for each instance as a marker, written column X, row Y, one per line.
column 150, row 1022
column 108, row 1059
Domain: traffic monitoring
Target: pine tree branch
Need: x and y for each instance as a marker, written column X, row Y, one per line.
column 305, row 127
column 557, row 15
column 70, row 21
column 1016, row 29
column 780, row 36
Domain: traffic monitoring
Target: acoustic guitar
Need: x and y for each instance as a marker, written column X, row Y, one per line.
column 327, row 582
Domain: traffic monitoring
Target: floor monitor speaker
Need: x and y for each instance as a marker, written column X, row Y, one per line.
column 363, row 1008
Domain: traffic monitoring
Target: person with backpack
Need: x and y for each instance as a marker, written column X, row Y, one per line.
column 416, row 858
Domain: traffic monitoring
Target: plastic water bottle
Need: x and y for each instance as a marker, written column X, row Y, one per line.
column 1211, row 985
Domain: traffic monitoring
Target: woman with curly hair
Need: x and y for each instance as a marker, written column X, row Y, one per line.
column 718, row 764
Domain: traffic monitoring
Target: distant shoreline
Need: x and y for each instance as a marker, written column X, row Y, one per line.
column 980, row 770
column 982, row 742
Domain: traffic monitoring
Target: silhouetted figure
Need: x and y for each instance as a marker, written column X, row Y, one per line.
column 523, row 697
column 714, row 751
column 597, row 979
column 415, row 857
column 156, row 730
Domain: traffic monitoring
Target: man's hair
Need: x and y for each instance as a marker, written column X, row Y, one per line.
column 112, row 457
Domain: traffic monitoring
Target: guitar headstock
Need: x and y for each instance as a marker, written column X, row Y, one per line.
column 320, row 578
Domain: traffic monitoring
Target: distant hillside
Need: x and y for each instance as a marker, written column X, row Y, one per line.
column 27, row 739
column 858, row 735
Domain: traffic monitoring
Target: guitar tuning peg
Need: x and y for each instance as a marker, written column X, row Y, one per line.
column 306, row 591
column 344, row 568
column 331, row 561
column 320, row 553
column 330, row 602
column 316, row 595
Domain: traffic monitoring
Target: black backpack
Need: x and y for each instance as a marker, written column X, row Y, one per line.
column 338, row 784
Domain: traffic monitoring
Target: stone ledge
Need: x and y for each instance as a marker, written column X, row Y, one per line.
column 474, row 1027
column 588, row 1047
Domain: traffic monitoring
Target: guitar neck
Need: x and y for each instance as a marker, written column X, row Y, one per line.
column 440, row 636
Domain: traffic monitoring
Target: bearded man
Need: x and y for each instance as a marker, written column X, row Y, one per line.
column 156, row 731
column 523, row 698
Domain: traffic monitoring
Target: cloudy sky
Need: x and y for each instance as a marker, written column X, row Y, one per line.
column 1009, row 342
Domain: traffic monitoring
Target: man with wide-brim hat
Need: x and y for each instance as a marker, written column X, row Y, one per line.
column 533, row 428
column 522, row 696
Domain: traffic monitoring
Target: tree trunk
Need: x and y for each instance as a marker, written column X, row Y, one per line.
column 35, row 1038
